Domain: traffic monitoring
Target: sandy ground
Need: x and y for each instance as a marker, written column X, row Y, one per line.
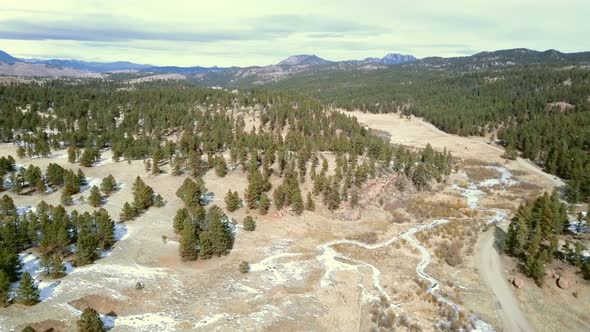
column 415, row 132
column 311, row 272
column 525, row 312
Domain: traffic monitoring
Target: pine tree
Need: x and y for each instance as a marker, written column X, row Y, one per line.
column 53, row 265
column 309, row 204
column 127, row 213
column 108, row 185
column 143, row 195
column 66, row 198
column 189, row 242
column 90, row 321
column 180, row 219
column 39, row 186
column 264, row 204
column 232, row 201
column 354, row 198
column 81, row 178
column 220, row 166
column 219, row 235
column 421, row 177
column 249, row 224
column 95, row 199
column 72, row 154
column 535, row 268
column 195, row 163
column 191, row 192
column 9, row 262
column 159, row 201
column 86, row 247
column 27, row 293
column 156, row 162
column 20, row 152
column 177, row 164
column 89, row 156
column 105, row 229
column 256, row 186
column 4, row 288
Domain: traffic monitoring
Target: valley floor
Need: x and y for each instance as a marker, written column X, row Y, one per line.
column 319, row 271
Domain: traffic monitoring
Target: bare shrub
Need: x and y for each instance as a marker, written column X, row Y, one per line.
column 479, row 174
column 450, row 252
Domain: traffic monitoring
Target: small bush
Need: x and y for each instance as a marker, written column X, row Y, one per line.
column 139, row 285
column 249, row 224
column 244, row 267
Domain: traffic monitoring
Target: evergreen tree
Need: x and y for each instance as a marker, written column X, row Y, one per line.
column 421, row 177
column 95, row 198
column 20, row 152
column 189, row 242
column 108, row 185
column 232, row 201
column 39, row 186
column 86, row 247
column 220, row 166
column 80, row 178
column 105, row 229
column 354, row 198
column 9, row 262
column 53, row 266
column 309, row 204
column 72, row 154
column 90, row 321
column 127, row 213
column 535, row 268
column 4, row 288
column 177, row 164
column 156, row 162
column 219, row 236
column 249, row 224
column 180, row 219
column 66, row 198
column 27, row 292
column 191, row 192
column 256, row 186
column 159, row 201
column 143, row 195
column 264, row 204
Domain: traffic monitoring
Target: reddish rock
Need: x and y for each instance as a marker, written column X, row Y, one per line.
column 563, row 283
column 518, row 283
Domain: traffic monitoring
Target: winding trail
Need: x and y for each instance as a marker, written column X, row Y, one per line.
column 333, row 261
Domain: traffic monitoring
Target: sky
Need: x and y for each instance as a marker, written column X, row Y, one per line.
column 258, row 32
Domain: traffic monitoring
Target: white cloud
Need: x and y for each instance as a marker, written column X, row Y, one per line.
column 248, row 32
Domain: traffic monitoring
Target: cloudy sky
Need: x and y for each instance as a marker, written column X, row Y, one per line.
column 258, row 32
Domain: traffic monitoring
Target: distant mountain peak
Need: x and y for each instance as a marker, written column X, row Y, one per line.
column 395, row 58
column 7, row 58
column 303, row 60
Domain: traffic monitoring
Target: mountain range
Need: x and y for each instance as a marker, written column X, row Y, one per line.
column 10, row 65
column 291, row 66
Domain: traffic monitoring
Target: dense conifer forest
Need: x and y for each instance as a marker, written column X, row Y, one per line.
column 541, row 110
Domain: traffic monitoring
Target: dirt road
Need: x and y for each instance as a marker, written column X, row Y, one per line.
column 490, row 269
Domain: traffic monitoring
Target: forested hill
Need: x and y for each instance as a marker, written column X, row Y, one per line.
column 535, row 102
